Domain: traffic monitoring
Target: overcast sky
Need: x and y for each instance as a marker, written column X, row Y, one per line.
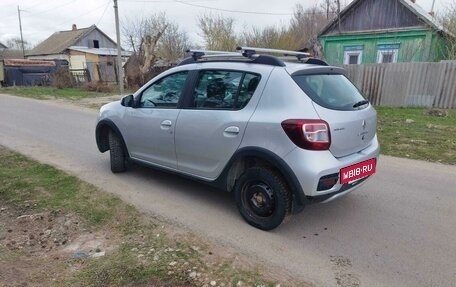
column 42, row 18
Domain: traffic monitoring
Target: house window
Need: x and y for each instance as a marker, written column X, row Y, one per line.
column 387, row 53
column 353, row 55
column 96, row 44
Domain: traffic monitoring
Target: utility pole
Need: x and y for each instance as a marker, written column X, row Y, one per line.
column 20, row 28
column 119, row 51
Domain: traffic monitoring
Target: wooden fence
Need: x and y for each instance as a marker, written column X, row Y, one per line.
column 407, row 84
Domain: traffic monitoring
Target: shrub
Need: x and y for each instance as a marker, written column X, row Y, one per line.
column 61, row 78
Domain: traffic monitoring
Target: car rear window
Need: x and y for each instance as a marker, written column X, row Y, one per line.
column 332, row 91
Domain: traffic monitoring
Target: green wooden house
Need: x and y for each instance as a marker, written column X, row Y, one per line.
column 383, row 31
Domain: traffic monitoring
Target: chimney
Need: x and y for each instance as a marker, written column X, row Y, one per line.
column 74, row 27
column 432, row 13
column 413, row 1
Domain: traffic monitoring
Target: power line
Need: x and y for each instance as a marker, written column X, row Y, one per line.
column 233, row 11
column 104, row 12
column 41, row 12
column 38, row 3
column 166, row 1
column 53, row 8
column 245, row 12
column 80, row 15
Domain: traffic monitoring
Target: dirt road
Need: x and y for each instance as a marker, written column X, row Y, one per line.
column 397, row 230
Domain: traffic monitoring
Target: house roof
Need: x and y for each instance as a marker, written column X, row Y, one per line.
column 99, row 51
column 24, row 62
column 60, row 41
column 422, row 14
column 11, row 54
column 2, row 46
column 413, row 7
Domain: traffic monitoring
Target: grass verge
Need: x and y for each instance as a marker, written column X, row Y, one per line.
column 418, row 133
column 56, row 230
column 44, row 93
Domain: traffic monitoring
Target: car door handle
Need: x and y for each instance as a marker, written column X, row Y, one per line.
column 231, row 131
column 166, row 124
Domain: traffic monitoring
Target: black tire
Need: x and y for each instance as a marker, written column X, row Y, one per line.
column 263, row 198
column 116, row 153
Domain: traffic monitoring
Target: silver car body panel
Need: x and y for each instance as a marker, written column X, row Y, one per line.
column 310, row 166
column 149, row 135
column 351, row 131
column 206, row 139
column 281, row 100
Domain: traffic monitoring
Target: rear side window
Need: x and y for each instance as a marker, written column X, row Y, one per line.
column 224, row 90
column 332, row 91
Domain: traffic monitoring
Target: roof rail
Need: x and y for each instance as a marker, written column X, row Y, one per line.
column 198, row 54
column 286, row 54
column 223, row 56
column 252, row 55
column 251, row 51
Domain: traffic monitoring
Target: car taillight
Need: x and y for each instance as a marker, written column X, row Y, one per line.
column 308, row 134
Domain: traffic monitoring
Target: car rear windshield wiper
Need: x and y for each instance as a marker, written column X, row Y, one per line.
column 361, row 103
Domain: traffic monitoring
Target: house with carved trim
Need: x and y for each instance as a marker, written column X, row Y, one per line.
column 383, row 31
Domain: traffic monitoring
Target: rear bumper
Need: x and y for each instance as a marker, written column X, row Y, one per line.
column 346, row 188
column 310, row 166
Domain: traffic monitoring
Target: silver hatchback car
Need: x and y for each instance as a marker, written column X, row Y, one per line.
column 278, row 134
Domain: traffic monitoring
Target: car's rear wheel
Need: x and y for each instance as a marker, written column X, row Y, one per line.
column 262, row 197
column 117, row 153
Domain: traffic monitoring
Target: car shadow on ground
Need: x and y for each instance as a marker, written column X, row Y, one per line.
column 185, row 187
column 314, row 217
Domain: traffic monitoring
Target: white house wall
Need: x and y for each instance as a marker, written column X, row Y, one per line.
column 49, row 57
column 77, row 62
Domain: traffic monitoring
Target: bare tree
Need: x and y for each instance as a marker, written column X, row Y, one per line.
column 301, row 33
column 152, row 39
column 306, row 24
column 338, row 14
column 218, row 32
column 274, row 37
column 15, row 44
column 448, row 21
column 155, row 28
column 133, row 31
column 173, row 44
column 330, row 8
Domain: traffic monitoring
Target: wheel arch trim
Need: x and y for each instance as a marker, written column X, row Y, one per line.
column 299, row 199
column 101, row 141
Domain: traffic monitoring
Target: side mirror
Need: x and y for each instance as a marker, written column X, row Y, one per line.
column 127, row 101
